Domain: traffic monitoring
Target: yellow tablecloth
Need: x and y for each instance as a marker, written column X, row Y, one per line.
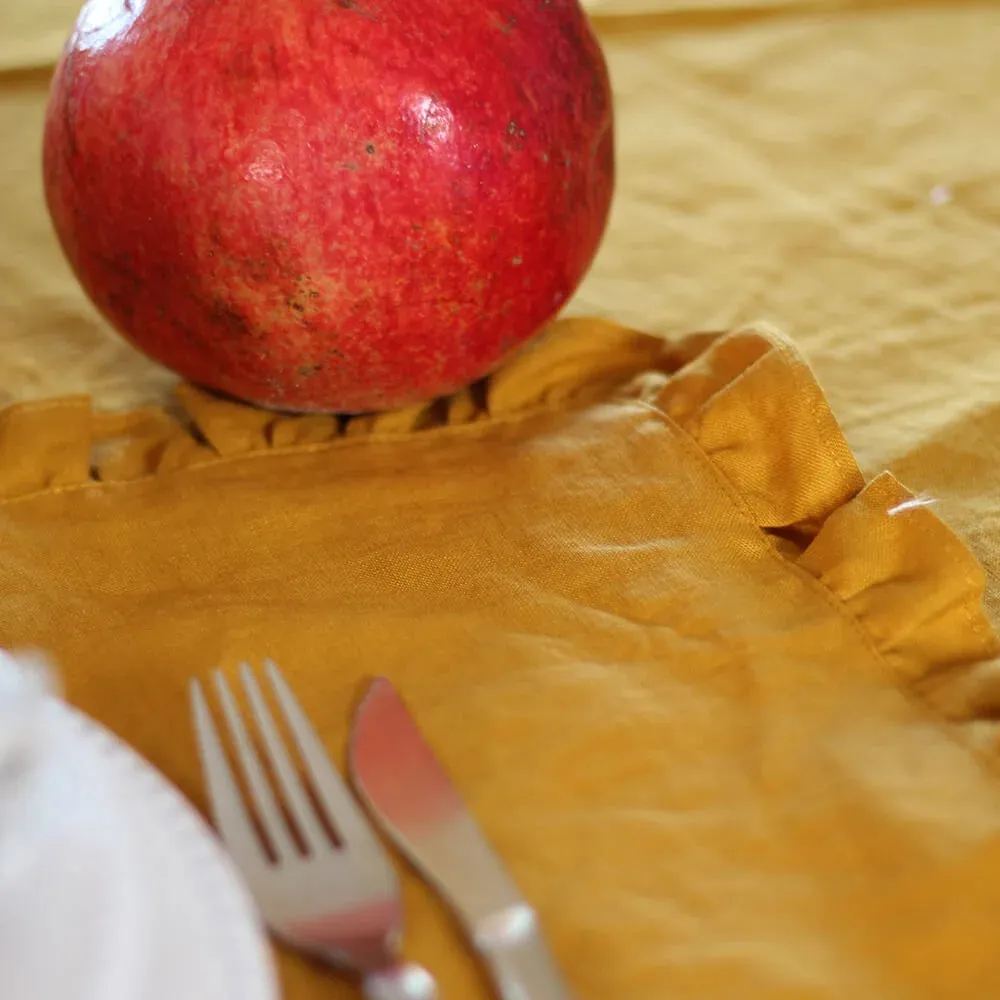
column 784, row 682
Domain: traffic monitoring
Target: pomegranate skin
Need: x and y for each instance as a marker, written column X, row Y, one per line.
column 330, row 205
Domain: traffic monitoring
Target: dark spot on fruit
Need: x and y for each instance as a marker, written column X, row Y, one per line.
column 228, row 318
column 313, row 294
column 356, row 8
column 185, row 331
column 370, row 149
column 515, row 134
column 122, row 306
column 308, row 371
column 273, row 60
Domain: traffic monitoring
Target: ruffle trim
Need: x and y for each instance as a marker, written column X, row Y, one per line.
column 64, row 442
column 755, row 409
column 746, row 398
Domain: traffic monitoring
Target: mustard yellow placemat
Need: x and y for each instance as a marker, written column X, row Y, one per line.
column 725, row 709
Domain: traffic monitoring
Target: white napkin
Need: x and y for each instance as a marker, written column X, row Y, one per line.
column 111, row 887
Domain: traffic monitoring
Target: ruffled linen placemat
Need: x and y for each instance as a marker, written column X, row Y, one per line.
column 724, row 706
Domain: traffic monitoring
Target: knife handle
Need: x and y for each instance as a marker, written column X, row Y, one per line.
column 520, row 964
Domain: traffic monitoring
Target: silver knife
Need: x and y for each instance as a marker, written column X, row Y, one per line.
column 411, row 797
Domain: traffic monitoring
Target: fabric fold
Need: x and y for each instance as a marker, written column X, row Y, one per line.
column 44, row 445
column 884, row 552
column 753, row 405
column 756, row 411
column 573, row 363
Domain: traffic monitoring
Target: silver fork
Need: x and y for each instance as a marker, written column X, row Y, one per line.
column 337, row 901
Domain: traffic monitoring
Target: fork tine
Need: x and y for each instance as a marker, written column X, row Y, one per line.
column 340, row 805
column 296, row 799
column 226, row 803
column 266, row 805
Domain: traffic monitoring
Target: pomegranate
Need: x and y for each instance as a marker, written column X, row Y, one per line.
column 333, row 205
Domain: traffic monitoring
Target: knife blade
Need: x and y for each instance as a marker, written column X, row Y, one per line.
column 412, row 798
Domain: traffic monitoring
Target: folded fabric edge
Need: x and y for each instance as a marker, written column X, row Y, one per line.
column 65, row 443
column 754, row 408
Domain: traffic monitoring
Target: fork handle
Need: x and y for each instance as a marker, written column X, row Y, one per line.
column 400, row 982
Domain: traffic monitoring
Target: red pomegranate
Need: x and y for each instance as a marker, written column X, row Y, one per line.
column 338, row 205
